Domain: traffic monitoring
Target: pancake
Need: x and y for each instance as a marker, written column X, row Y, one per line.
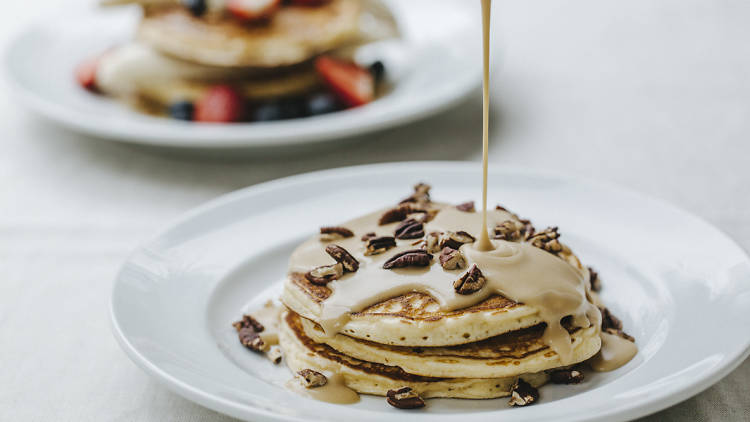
column 412, row 318
column 507, row 355
column 138, row 71
column 301, row 352
column 293, row 35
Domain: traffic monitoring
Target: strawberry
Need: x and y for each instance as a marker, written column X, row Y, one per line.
column 85, row 72
column 220, row 104
column 252, row 10
column 354, row 85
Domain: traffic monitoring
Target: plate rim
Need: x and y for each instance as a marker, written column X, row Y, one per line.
column 665, row 399
column 278, row 135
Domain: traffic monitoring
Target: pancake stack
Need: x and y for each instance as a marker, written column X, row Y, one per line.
column 365, row 301
column 243, row 60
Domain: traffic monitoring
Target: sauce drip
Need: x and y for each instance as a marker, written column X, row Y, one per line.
column 615, row 353
column 484, row 243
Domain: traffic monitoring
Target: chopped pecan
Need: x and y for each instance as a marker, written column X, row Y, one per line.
column 328, row 234
column 411, row 258
column 248, row 331
column 466, row 207
column 547, row 240
column 421, row 195
column 369, row 236
column 609, row 320
column 397, row 214
column 456, row 239
column 321, row 276
column 501, row 208
column 471, row 282
column 275, row 354
column 566, row 376
column 594, row 281
column 523, row 394
column 343, row 257
column 432, row 242
column 451, row 259
column 251, row 339
column 404, row 398
column 249, row 322
column 409, row 229
column 311, row 379
column 512, row 230
column 620, row 333
column 378, row 245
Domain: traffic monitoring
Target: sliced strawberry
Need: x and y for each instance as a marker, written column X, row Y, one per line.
column 220, row 104
column 354, row 85
column 85, row 72
column 252, row 10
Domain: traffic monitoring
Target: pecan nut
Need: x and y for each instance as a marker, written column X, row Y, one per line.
column 452, row 259
column 404, row 398
column 343, row 257
column 456, row 239
column 547, row 240
column 396, row 214
column 378, row 245
column 523, row 394
column 620, row 333
column 409, row 229
column 512, row 230
column 432, row 242
column 410, row 258
column 275, row 354
column 321, row 276
column 566, row 376
column 248, row 331
column 311, row 379
column 594, row 281
column 421, row 195
column 328, row 234
column 609, row 320
column 471, row 282
column 249, row 322
column 466, row 207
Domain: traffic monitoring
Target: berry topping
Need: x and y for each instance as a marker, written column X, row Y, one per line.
column 86, row 73
column 182, row 110
column 322, row 103
column 252, row 10
column 378, row 71
column 352, row 84
column 196, row 7
column 220, row 104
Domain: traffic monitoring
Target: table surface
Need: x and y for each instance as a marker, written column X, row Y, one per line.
column 650, row 95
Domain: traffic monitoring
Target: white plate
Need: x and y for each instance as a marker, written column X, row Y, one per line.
column 432, row 68
column 681, row 287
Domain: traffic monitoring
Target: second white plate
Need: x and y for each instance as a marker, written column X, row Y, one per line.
column 681, row 287
column 434, row 66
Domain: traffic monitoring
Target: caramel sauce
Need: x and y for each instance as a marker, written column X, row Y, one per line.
column 335, row 391
column 615, row 353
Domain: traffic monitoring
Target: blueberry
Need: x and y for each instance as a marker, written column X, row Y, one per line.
column 196, row 7
column 293, row 108
column 266, row 112
column 182, row 110
column 378, row 71
column 322, row 103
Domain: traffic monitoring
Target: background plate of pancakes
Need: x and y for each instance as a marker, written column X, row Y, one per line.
column 681, row 287
column 434, row 63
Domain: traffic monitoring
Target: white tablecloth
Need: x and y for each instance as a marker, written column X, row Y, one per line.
column 653, row 95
